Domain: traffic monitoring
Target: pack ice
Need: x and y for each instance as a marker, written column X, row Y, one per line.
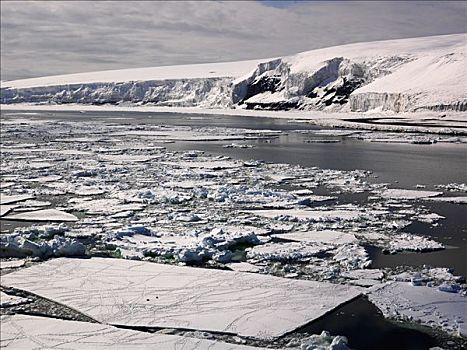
column 130, row 293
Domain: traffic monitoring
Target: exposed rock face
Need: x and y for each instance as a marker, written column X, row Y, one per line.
column 242, row 87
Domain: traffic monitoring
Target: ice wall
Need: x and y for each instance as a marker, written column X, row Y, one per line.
column 208, row 92
column 406, row 75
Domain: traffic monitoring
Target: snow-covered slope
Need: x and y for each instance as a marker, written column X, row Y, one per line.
column 403, row 75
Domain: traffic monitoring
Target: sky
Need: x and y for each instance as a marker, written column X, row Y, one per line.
column 40, row 38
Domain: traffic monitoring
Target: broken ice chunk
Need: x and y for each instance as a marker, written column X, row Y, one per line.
column 311, row 215
column 283, row 252
column 8, row 199
column 11, row 300
column 406, row 241
column 408, row 194
column 456, row 200
column 6, row 208
column 325, row 236
column 43, row 215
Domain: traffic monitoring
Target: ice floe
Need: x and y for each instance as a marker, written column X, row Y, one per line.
column 6, row 208
column 283, row 252
column 16, row 245
column 309, row 215
column 26, row 332
column 42, row 215
column 374, row 274
column 455, row 200
column 426, row 305
column 8, row 199
column 406, row 241
column 324, row 341
column 221, row 301
column 408, row 194
column 10, row 300
column 325, row 236
column 11, row 264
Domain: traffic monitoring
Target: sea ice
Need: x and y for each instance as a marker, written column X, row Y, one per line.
column 309, row 215
column 243, row 267
column 212, row 165
column 374, row 274
column 130, row 293
column 11, row 264
column 6, row 208
column 455, row 200
column 33, row 332
column 10, row 300
column 427, row 305
column 104, row 206
column 351, row 256
column 42, row 179
column 408, row 194
column 429, row 218
column 325, row 236
column 16, row 246
column 8, row 199
column 42, row 215
column 324, row 341
column 88, row 191
column 6, row 184
column 124, row 158
column 406, row 241
column 284, row 252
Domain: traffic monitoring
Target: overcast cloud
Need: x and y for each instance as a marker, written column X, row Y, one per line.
column 57, row 37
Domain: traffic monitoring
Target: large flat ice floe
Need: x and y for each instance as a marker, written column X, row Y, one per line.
column 428, row 305
column 32, row 332
column 130, row 293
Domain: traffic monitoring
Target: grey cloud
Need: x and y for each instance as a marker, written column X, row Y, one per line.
column 58, row 37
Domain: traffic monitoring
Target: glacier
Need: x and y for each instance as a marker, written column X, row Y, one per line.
column 404, row 75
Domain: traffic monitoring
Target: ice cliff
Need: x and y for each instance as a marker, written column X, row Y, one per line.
column 405, row 75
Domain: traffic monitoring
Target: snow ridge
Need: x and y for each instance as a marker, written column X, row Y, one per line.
column 406, row 75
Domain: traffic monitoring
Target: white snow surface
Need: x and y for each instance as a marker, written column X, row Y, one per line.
column 428, row 305
column 33, row 332
column 193, row 71
column 131, row 293
column 403, row 75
